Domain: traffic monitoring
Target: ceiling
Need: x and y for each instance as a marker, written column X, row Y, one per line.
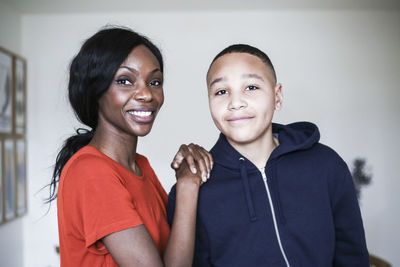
column 97, row 6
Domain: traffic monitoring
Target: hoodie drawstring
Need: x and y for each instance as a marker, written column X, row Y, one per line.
column 246, row 186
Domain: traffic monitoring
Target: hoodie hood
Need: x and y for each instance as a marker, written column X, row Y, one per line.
column 292, row 137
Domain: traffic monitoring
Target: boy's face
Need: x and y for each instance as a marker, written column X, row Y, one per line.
column 242, row 96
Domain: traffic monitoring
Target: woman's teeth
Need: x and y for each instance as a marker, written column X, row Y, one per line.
column 140, row 113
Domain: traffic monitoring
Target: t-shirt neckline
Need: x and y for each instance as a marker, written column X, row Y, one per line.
column 141, row 177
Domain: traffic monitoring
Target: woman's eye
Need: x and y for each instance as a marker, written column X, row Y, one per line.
column 251, row 87
column 156, row 83
column 123, row 81
column 221, row 92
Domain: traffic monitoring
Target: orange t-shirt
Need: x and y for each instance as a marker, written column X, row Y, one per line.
column 96, row 197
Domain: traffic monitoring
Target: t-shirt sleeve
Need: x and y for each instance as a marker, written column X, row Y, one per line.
column 103, row 204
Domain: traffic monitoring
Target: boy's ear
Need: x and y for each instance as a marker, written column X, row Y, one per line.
column 278, row 96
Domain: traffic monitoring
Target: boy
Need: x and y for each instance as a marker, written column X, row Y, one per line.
column 276, row 197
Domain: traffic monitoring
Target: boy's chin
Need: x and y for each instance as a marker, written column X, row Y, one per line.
column 239, row 139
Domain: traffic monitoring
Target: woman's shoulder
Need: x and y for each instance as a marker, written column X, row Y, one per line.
column 142, row 159
column 147, row 170
column 144, row 164
column 88, row 161
column 88, row 155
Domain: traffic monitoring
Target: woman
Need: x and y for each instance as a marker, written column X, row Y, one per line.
column 111, row 206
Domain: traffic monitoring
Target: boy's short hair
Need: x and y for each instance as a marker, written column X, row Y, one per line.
column 244, row 48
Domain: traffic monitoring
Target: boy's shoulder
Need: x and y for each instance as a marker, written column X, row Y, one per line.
column 322, row 151
column 323, row 155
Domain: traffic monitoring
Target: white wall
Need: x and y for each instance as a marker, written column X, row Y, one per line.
column 339, row 69
column 11, row 233
column 10, row 28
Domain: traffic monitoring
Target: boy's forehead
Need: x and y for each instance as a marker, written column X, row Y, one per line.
column 237, row 62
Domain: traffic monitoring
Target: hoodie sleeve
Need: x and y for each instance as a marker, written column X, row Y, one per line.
column 201, row 252
column 171, row 205
column 350, row 245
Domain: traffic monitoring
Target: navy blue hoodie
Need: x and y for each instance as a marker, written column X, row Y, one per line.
column 300, row 210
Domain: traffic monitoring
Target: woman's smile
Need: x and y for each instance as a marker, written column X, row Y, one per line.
column 143, row 115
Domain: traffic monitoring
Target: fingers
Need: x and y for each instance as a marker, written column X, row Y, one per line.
column 201, row 163
column 184, row 154
column 207, row 158
column 203, row 160
column 196, row 157
column 176, row 162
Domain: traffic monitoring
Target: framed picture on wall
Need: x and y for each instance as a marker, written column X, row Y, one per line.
column 20, row 94
column 6, row 92
column 13, row 96
column 1, row 183
column 21, row 177
column 9, row 179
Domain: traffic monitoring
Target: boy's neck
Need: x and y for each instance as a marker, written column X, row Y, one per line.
column 258, row 151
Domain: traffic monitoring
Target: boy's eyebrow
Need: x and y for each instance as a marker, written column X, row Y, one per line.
column 249, row 75
column 217, row 80
column 252, row 75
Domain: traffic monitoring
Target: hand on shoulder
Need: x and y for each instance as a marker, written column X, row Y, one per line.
column 192, row 162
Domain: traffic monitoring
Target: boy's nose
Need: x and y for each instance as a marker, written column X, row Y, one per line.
column 236, row 102
column 143, row 94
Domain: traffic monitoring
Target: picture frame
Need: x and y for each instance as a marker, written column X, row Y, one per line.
column 6, row 92
column 13, row 98
column 9, row 180
column 20, row 94
column 1, row 184
column 20, row 160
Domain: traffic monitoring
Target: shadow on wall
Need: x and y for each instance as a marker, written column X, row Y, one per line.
column 362, row 178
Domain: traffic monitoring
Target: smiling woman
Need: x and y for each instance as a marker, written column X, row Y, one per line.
column 111, row 206
column 135, row 96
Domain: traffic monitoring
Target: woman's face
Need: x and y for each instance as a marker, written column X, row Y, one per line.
column 135, row 95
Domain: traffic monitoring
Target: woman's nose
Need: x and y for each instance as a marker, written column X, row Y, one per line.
column 144, row 93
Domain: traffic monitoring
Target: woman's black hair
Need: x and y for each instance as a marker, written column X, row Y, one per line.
column 245, row 48
column 91, row 73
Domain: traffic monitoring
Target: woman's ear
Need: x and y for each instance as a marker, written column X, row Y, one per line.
column 278, row 96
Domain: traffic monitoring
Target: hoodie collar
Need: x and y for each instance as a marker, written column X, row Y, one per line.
column 292, row 137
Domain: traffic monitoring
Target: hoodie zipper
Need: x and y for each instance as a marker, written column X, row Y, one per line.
column 264, row 176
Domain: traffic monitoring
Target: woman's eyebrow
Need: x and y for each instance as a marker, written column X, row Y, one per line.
column 136, row 71
column 156, row 70
column 130, row 69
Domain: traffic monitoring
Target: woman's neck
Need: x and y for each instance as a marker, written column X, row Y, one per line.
column 258, row 151
column 117, row 146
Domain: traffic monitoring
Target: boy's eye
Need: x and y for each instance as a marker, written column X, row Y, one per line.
column 124, row 81
column 251, row 87
column 155, row 83
column 221, row 92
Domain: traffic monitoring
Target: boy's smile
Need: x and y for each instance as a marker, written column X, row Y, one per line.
column 239, row 120
column 243, row 96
